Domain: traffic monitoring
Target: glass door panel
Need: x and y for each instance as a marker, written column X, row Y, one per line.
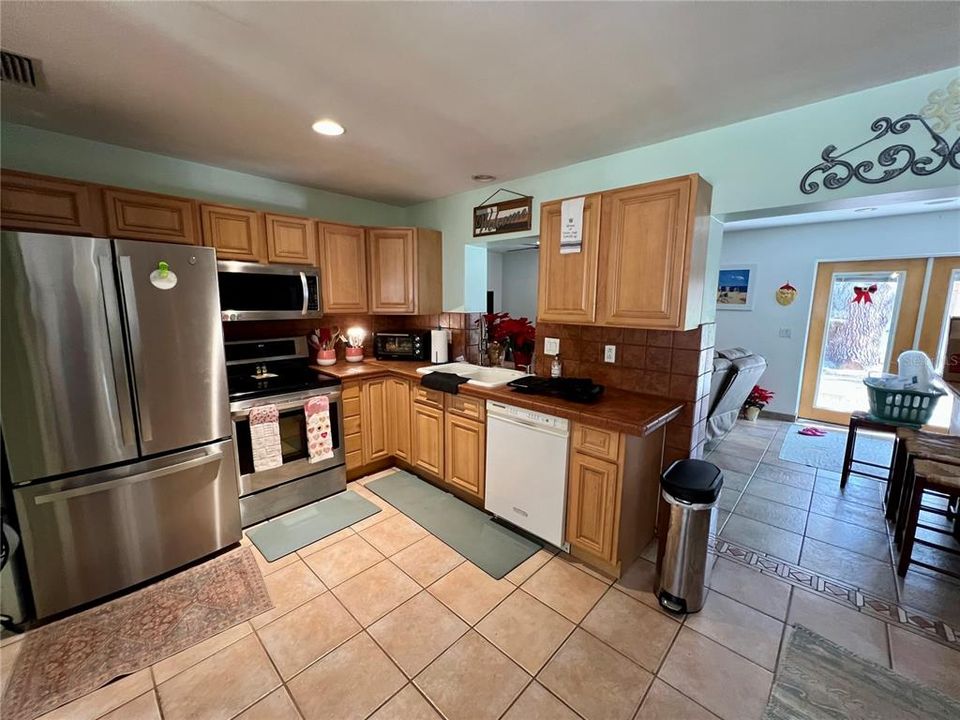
column 943, row 303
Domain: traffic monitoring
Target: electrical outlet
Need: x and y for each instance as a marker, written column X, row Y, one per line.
column 551, row 346
column 610, row 353
column 785, row 332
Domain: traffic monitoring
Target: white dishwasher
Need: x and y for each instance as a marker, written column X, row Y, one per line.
column 526, row 482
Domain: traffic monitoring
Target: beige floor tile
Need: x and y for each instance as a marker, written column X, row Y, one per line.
column 757, row 535
column 594, row 680
column 375, row 592
column 639, row 632
column 307, row 633
column 717, row 678
column 288, row 587
column 472, row 680
column 342, row 560
column 926, row 661
column 408, row 704
column 276, row 706
column 536, row 703
column 167, row 668
column 268, row 567
column 107, row 698
column 581, row 565
column 386, row 510
column 640, row 583
column 427, row 560
column 761, row 592
column 526, row 630
column 351, row 682
column 8, row 659
column 393, row 534
column 220, row 686
column 665, row 703
column 325, row 542
column 417, row 632
column 742, row 629
column 528, row 567
column 143, row 707
column 565, row 588
column 470, row 592
column 859, row 633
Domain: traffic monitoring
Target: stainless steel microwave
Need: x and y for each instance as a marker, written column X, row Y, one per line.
column 251, row 291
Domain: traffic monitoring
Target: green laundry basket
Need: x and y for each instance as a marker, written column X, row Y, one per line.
column 901, row 406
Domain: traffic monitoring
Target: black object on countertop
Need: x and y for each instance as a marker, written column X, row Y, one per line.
column 693, row 481
column 443, row 381
column 581, row 390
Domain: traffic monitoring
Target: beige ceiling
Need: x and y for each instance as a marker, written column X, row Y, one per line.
column 431, row 93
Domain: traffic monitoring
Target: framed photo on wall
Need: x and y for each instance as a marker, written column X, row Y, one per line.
column 736, row 287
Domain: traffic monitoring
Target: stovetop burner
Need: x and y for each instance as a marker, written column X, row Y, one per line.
column 263, row 379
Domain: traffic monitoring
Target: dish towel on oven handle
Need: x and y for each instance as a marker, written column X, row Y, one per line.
column 319, row 439
column 265, row 437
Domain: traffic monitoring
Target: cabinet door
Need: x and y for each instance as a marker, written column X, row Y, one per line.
column 592, row 505
column 291, row 240
column 237, row 234
column 28, row 202
column 343, row 269
column 398, row 417
column 465, row 454
column 373, row 404
column 427, row 449
column 392, row 270
column 147, row 216
column 645, row 236
column 567, row 289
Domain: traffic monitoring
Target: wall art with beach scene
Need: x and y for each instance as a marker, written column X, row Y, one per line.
column 735, row 287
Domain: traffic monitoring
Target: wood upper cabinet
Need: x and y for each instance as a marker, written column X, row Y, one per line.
column 593, row 505
column 404, row 271
column 427, row 449
column 465, row 446
column 343, row 269
column 291, row 240
column 398, row 417
column 567, row 289
column 373, row 426
column 148, row 216
column 237, row 234
column 35, row 203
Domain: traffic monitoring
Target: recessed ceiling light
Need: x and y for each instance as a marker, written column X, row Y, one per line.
column 940, row 202
column 328, row 127
column 870, row 209
column 484, row 178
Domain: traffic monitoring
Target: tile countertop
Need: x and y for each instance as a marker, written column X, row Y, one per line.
column 618, row 410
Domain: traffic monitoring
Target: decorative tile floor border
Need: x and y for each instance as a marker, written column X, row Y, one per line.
column 888, row 611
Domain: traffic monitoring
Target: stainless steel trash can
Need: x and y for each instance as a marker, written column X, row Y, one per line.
column 691, row 489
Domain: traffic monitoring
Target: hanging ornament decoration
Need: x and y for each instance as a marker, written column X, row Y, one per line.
column 863, row 295
column 786, row 294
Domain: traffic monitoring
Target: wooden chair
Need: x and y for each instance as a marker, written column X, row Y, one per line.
column 925, row 476
column 925, row 445
column 860, row 420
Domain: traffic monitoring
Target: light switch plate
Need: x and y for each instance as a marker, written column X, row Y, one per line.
column 609, row 353
column 551, row 346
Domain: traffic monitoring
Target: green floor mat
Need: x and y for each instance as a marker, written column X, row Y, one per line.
column 288, row 533
column 490, row 546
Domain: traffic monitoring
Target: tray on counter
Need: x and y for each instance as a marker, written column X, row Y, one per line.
column 582, row 390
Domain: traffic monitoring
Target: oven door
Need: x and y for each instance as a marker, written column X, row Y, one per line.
column 251, row 291
column 293, row 440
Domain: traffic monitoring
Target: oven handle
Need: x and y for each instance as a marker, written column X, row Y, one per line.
column 240, row 414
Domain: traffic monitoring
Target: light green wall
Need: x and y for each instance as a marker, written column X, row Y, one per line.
column 32, row 150
column 752, row 165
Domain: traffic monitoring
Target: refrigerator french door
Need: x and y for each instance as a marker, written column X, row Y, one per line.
column 114, row 411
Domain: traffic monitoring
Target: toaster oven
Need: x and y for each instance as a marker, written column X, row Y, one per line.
column 409, row 345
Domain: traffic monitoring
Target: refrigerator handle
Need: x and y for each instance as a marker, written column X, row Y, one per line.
column 136, row 345
column 114, row 336
column 306, row 293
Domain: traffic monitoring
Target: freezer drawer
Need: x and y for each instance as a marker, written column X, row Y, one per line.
column 93, row 535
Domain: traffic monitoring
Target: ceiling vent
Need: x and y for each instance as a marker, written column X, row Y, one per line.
column 18, row 69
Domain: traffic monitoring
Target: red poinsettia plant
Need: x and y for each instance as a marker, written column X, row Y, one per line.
column 519, row 334
column 758, row 397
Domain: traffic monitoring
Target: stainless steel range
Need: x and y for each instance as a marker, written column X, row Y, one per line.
column 277, row 372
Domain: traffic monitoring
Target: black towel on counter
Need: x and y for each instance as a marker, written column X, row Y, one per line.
column 443, row 381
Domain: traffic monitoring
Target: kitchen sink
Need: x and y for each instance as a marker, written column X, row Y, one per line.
column 487, row 377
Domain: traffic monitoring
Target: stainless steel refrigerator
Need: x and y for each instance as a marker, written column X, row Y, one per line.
column 114, row 411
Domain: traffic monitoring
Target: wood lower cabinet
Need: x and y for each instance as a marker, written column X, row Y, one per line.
column 464, row 456
column 34, row 203
column 567, row 289
column 148, row 216
column 373, row 407
column 427, row 449
column 592, row 505
column 343, row 269
column 397, row 416
column 291, row 240
column 404, row 271
column 352, row 426
column 235, row 233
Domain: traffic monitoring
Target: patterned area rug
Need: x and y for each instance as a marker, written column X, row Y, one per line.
column 827, row 452
column 819, row 680
column 69, row 658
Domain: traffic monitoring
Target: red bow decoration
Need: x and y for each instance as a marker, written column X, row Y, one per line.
column 863, row 294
